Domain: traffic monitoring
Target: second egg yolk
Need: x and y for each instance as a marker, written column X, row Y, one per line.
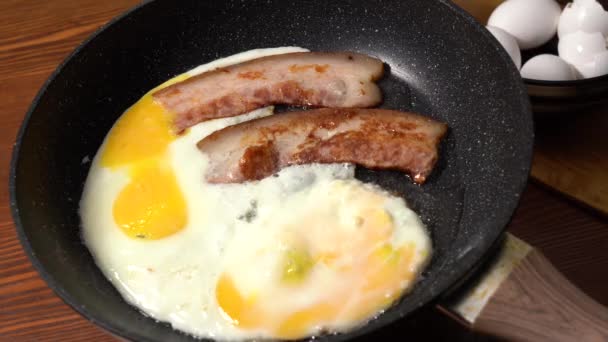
column 151, row 206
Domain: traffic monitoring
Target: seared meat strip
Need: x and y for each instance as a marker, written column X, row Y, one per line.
column 318, row 79
column 373, row 138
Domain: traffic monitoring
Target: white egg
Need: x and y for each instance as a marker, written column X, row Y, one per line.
column 531, row 22
column 308, row 250
column 548, row 68
column 597, row 67
column 578, row 48
column 583, row 15
column 508, row 42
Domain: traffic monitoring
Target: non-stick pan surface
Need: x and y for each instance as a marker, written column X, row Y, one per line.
column 442, row 64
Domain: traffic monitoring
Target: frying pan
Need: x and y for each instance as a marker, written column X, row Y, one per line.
column 442, row 64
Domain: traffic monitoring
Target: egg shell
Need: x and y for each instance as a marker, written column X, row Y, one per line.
column 583, row 15
column 578, row 48
column 548, row 68
column 597, row 67
column 531, row 22
column 508, row 42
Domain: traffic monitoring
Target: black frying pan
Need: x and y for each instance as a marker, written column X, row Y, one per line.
column 442, row 64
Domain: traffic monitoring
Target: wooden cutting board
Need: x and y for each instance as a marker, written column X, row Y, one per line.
column 571, row 154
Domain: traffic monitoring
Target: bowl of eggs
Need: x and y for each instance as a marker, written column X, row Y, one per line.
column 560, row 48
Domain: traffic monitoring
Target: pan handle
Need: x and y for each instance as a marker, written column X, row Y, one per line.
column 537, row 303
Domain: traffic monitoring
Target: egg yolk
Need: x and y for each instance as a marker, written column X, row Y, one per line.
column 151, row 205
column 241, row 310
column 366, row 261
column 299, row 324
column 143, row 132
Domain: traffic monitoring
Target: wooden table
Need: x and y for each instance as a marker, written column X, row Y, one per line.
column 37, row 35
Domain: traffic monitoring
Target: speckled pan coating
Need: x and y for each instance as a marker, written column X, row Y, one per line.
column 441, row 64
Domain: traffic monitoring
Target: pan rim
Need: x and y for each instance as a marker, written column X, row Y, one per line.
column 474, row 257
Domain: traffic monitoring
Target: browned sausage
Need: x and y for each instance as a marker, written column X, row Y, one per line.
column 317, row 79
column 373, row 138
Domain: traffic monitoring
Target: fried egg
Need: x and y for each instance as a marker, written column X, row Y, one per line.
column 309, row 250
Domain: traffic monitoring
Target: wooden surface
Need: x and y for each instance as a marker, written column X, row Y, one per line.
column 536, row 303
column 37, row 35
column 572, row 155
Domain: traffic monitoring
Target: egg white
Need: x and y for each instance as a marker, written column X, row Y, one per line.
column 173, row 279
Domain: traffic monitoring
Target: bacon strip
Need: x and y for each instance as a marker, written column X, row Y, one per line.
column 373, row 138
column 317, row 79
